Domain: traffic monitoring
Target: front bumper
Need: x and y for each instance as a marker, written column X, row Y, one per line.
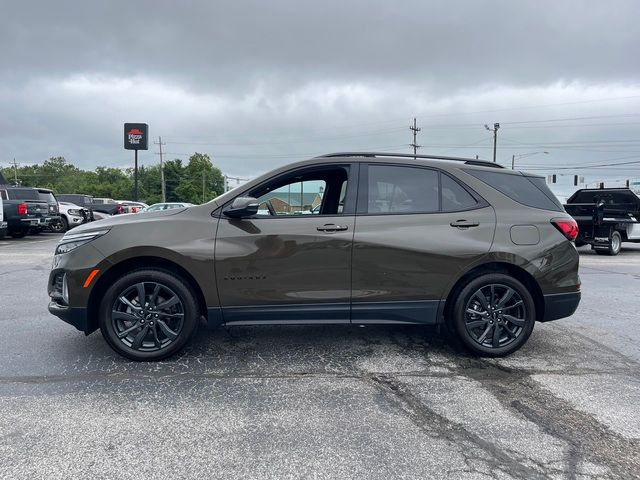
column 560, row 305
column 75, row 316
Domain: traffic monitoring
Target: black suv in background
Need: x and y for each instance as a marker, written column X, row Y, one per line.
column 360, row 238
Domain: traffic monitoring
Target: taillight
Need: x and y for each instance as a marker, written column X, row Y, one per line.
column 23, row 208
column 567, row 226
column 119, row 209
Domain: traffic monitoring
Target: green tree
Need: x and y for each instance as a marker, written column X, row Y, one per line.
column 200, row 179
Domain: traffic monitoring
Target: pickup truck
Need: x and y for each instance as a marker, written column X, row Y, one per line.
column 23, row 210
column 3, row 224
column 606, row 217
column 103, row 205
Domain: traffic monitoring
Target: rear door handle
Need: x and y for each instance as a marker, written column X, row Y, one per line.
column 332, row 227
column 464, row 224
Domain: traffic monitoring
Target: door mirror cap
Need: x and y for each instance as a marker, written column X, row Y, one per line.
column 242, row 207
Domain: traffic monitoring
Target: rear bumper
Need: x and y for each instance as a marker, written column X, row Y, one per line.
column 72, row 315
column 560, row 305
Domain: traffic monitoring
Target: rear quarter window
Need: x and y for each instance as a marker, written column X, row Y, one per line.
column 529, row 191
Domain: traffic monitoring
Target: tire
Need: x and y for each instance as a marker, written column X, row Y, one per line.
column 614, row 247
column 476, row 332
column 59, row 226
column 153, row 333
column 19, row 233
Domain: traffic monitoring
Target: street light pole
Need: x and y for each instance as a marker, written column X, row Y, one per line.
column 496, row 127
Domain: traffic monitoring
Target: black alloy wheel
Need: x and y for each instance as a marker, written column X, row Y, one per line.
column 148, row 315
column 494, row 315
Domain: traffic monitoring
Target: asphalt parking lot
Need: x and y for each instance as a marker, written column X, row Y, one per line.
column 321, row 402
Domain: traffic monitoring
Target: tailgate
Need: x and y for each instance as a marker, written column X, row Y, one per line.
column 37, row 209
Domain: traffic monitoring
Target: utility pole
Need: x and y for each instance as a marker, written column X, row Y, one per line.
column 164, row 191
column 496, row 127
column 415, row 131
column 203, row 173
column 15, row 172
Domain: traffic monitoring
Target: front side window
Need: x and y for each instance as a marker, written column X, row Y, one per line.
column 321, row 192
column 395, row 189
column 296, row 198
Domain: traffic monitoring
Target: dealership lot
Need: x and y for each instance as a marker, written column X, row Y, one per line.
column 322, row 402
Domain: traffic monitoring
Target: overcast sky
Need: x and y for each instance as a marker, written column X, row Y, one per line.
column 257, row 84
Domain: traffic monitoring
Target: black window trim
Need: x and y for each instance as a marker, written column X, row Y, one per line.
column 363, row 192
column 349, row 208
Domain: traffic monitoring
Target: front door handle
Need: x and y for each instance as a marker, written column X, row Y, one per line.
column 464, row 224
column 332, row 227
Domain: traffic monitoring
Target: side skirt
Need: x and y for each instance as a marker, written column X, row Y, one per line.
column 424, row 312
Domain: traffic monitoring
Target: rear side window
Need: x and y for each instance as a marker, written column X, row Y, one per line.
column 525, row 190
column 402, row 190
column 454, row 196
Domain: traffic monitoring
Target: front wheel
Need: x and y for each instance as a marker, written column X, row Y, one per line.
column 493, row 315
column 59, row 225
column 148, row 315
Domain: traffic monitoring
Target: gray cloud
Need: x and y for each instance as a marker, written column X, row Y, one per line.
column 256, row 83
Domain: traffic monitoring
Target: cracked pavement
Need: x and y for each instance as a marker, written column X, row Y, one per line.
column 321, row 401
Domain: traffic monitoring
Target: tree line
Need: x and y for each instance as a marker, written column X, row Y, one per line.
column 184, row 182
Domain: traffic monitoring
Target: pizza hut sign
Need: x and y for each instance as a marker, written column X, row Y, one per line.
column 136, row 136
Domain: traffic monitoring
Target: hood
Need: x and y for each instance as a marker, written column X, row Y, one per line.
column 127, row 218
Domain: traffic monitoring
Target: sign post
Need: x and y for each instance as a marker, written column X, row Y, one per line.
column 136, row 137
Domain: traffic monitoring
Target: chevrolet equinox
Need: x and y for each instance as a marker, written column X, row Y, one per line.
column 348, row 238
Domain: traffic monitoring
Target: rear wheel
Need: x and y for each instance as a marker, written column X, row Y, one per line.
column 614, row 246
column 493, row 315
column 148, row 315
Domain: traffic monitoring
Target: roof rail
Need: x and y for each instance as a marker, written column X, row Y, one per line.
column 468, row 161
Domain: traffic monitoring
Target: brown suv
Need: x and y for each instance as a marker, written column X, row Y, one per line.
column 362, row 238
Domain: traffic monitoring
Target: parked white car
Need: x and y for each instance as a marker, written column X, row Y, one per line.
column 71, row 215
column 167, row 206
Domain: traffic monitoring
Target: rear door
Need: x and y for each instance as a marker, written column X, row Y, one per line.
column 292, row 261
column 416, row 230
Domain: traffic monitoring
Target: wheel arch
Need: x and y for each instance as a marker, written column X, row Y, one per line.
column 136, row 263
column 497, row 267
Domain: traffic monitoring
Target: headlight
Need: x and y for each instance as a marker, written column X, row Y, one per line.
column 73, row 211
column 73, row 241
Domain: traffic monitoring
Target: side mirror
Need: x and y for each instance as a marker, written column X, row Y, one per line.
column 242, row 207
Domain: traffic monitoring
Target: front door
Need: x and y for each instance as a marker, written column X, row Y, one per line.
column 292, row 261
